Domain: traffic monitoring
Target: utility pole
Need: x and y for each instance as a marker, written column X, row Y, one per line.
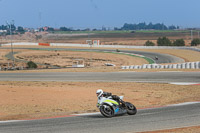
column 40, row 19
column 12, row 52
column 191, row 35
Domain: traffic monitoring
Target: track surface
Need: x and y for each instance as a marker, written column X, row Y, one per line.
column 157, row 77
column 162, row 58
column 144, row 120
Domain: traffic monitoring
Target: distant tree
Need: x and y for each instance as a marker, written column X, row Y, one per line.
column 3, row 27
column 50, row 29
column 87, row 29
column 195, row 42
column 116, row 28
column 164, row 41
column 10, row 27
column 159, row 26
column 172, row 27
column 65, row 29
column 20, row 30
column 13, row 28
column 150, row 26
column 179, row 42
column 103, row 28
column 144, row 26
column 149, row 43
column 41, row 29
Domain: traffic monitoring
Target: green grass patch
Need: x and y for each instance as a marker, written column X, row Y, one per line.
column 89, row 32
column 123, row 31
column 161, row 31
column 150, row 61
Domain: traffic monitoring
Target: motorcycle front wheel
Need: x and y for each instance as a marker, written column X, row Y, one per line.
column 131, row 109
column 106, row 110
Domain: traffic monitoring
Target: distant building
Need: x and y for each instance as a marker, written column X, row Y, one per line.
column 45, row 28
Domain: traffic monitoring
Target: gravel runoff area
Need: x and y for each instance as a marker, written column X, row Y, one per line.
column 68, row 58
column 93, row 60
column 27, row 100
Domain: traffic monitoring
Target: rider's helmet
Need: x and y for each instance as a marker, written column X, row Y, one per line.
column 99, row 93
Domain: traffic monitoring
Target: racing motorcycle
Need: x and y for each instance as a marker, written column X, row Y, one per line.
column 109, row 107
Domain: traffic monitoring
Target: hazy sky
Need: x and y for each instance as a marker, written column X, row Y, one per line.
column 98, row 13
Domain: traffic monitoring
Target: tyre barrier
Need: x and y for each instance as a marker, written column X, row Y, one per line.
column 187, row 65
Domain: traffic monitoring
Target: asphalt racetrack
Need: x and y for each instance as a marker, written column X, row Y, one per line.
column 162, row 58
column 157, row 77
column 183, row 115
column 145, row 120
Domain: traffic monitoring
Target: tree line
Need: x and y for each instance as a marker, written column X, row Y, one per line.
column 12, row 28
column 150, row 26
column 126, row 26
column 164, row 41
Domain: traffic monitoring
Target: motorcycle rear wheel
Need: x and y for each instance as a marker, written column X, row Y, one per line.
column 107, row 111
column 131, row 109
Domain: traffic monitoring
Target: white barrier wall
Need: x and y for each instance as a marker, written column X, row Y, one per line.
column 21, row 43
column 187, row 65
column 109, row 46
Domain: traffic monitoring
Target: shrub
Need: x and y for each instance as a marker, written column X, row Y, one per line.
column 195, row 42
column 149, row 43
column 164, row 41
column 31, row 64
column 179, row 42
column 117, row 50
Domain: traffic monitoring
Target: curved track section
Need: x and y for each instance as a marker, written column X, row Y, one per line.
column 145, row 120
column 162, row 58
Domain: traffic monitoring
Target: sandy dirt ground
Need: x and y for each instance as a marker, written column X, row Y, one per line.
column 24, row 100
column 91, row 59
column 68, row 58
column 30, row 100
column 195, row 129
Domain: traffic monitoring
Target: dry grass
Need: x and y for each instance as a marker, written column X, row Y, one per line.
column 22, row 100
column 65, row 58
column 195, row 129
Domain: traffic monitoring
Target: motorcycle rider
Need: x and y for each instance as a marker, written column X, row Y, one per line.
column 100, row 93
column 156, row 57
